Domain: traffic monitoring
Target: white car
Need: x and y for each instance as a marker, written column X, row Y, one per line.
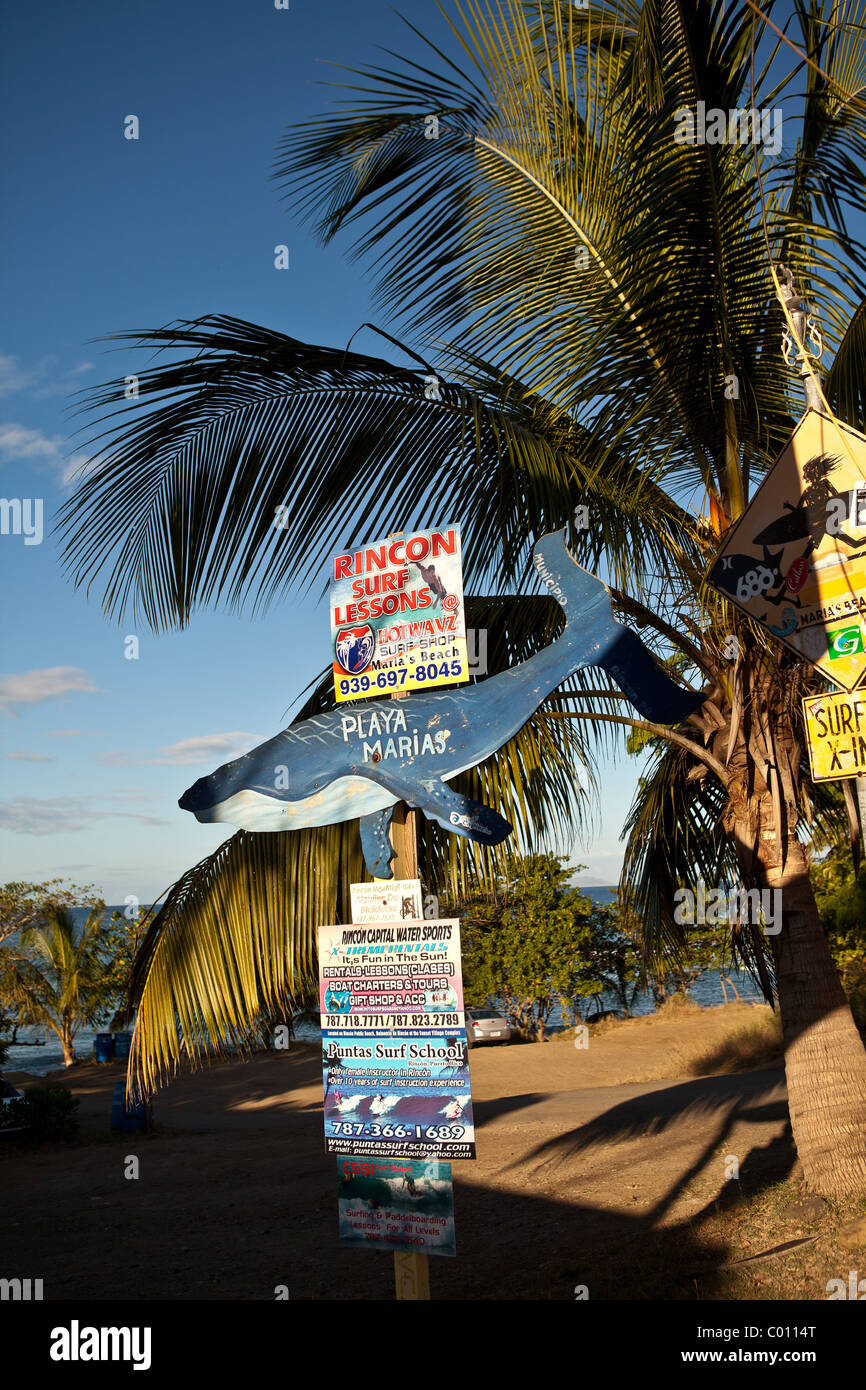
column 486, row 1025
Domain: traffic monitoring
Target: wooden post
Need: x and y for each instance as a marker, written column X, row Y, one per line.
column 411, row 1270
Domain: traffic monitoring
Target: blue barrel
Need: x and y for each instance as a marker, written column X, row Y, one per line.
column 103, row 1048
column 126, row 1117
column 121, row 1046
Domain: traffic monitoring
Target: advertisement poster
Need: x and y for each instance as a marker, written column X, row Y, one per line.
column 397, row 616
column 836, row 735
column 396, row 1205
column 406, row 1095
column 796, row 559
column 389, row 975
column 395, row 1061
column 386, row 900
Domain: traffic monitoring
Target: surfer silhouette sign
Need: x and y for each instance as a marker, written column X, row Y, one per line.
column 796, row 559
column 360, row 762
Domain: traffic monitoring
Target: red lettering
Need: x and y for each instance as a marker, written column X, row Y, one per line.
column 418, row 548
column 444, row 543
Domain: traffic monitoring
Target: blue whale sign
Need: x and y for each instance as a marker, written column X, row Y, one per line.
column 361, row 762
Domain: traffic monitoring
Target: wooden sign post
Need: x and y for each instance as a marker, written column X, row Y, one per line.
column 411, row 1270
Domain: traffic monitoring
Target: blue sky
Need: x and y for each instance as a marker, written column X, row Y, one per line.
column 104, row 234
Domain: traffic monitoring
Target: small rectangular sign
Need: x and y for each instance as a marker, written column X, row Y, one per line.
column 836, row 735
column 386, row 900
column 406, row 1095
column 388, row 975
column 397, row 615
column 395, row 1059
column 396, row 1204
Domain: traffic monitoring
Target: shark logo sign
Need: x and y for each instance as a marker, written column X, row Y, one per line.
column 795, row 561
column 354, row 647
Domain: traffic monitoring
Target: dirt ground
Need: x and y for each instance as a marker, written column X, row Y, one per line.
column 604, row 1166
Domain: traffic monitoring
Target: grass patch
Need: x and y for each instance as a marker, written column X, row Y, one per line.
column 754, row 1044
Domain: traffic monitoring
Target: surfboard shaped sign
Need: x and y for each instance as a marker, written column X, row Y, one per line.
column 795, row 561
column 361, row 762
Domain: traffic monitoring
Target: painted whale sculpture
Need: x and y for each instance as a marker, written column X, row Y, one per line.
column 362, row 761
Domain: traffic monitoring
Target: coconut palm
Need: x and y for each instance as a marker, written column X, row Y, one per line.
column 58, row 976
column 592, row 318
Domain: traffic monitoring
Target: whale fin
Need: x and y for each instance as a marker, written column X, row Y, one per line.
column 599, row 640
column 450, row 809
column 376, row 842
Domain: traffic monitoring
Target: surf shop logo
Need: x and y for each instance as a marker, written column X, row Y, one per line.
column 354, row 648
column 844, row 641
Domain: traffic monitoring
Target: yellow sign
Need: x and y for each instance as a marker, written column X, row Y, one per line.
column 796, row 559
column 836, row 734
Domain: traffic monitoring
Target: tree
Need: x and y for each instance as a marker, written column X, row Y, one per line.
column 604, row 297
column 23, row 904
column 527, row 942
column 61, row 976
column 615, row 965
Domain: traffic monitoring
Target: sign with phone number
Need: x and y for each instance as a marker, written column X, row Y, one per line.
column 407, row 678
column 397, row 616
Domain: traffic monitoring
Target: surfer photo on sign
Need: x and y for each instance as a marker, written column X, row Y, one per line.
column 432, row 580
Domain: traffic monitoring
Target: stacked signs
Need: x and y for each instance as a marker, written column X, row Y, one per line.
column 796, row 563
column 394, row 1053
column 397, row 619
column 395, row 1067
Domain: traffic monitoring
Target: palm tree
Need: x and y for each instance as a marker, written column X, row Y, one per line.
column 57, row 976
column 601, row 300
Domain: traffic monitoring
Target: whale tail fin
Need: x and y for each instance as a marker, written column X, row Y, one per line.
column 597, row 639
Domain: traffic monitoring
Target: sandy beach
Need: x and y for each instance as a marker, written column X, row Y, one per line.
column 585, row 1159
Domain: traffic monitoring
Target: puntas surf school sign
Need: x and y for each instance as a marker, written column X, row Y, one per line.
column 397, row 615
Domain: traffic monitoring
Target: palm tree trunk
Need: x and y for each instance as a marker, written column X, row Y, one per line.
column 825, row 1060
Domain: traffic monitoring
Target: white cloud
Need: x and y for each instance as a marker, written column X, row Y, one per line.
column 206, row 748
column 14, row 377
column 44, row 378
column 114, row 757
column 72, row 733
column 77, row 468
column 19, row 444
column 31, row 758
column 30, row 815
column 32, row 687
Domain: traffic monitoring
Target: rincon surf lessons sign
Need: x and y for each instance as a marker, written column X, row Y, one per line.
column 397, row 616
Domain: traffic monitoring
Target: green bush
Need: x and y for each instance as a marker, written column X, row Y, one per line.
column 45, row 1112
